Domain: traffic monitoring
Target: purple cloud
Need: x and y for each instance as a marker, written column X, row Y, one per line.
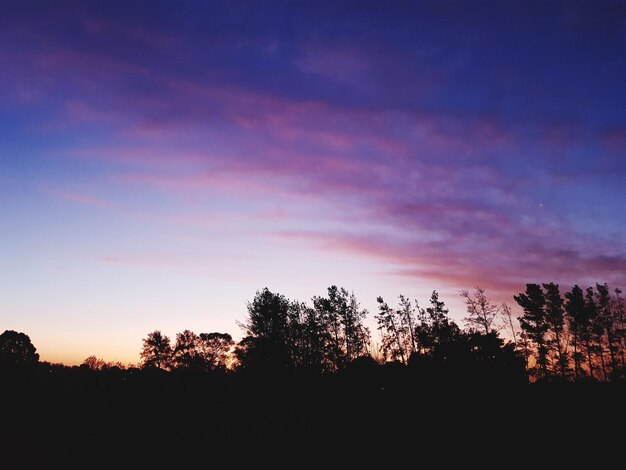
column 448, row 144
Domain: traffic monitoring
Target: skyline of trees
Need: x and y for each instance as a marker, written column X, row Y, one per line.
column 290, row 335
column 580, row 334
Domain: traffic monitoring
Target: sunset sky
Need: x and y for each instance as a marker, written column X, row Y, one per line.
column 162, row 161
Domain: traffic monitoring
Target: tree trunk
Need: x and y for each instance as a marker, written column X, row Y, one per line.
column 397, row 335
column 413, row 346
column 560, row 353
column 576, row 359
column 611, row 341
column 602, row 363
column 589, row 358
column 512, row 330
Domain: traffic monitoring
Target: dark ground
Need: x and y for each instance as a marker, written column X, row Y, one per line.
column 87, row 419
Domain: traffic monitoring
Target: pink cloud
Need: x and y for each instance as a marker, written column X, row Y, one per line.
column 79, row 112
column 194, row 219
column 340, row 63
column 420, row 176
column 502, row 273
column 83, row 199
column 86, row 68
column 272, row 214
column 180, row 219
column 143, row 155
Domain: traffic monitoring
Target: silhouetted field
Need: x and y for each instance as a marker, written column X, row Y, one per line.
column 66, row 415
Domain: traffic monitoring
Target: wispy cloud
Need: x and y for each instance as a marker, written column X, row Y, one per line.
column 83, row 199
column 464, row 163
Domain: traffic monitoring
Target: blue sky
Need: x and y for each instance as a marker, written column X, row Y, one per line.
column 161, row 161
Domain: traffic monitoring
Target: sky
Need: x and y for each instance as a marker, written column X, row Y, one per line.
column 160, row 162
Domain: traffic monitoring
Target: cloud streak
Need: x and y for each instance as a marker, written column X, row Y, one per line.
column 409, row 136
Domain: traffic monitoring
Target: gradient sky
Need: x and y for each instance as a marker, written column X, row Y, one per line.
column 161, row 161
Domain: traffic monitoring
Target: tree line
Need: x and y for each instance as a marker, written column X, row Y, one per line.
column 580, row 335
column 575, row 336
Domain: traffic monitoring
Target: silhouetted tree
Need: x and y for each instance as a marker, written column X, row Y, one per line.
column 332, row 308
column 214, row 349
column 266, row 344
column 94, row 363
column 610, row 319
column 327, row 312
column 620, row 322
column 591, row 328
column 310, row 340
column 317, row 353
column 156, row 351
column 436, row 333
column 343, row 319
column 408, row 322
column 185, row 354
column 398, row 329
column 441, row 327
column 356, row 334
column 605, row 327
column 117, row 365
column 16, row 349
column 490, row 359
column 534, row 324
column 577, row 323
column 296, row 340
column 505, row 311
column 392, row 332
column 556, row 324
column 481, row 312
column 422, row 331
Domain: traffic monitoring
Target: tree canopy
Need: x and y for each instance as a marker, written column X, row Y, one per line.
column 17, row 349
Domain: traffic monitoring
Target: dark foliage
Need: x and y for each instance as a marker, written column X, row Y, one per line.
column 16, row 349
